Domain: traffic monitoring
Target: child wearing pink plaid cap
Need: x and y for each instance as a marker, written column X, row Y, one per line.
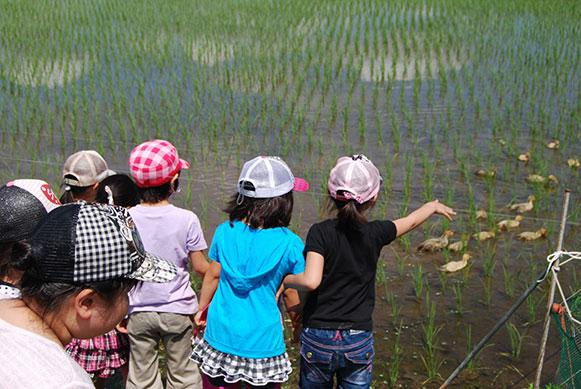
column 162, row 312
column 341, row 263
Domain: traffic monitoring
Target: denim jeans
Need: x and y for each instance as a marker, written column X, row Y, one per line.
column 346, row 354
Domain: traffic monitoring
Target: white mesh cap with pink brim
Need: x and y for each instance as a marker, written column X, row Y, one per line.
column 268, row 177
column 354, row 178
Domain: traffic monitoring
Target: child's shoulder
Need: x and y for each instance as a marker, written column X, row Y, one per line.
column 291, row 236
column 326, row 224
column 186, row 213
column 167, row 211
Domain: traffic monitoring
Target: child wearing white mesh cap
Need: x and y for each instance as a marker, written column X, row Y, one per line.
column 251, row 253
column 341, row 263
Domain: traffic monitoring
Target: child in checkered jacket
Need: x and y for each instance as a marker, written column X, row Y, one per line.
column 163, row 312
column 251, row 252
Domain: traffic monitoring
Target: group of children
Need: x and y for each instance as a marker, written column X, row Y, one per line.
column 254, row 257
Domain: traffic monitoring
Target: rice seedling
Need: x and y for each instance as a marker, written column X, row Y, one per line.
column 394, row 308
column 458, row 297
column 430, row 359
column 395, row 359
column 509, row 281
column 399, row 264
column 516, row 340
column 418, row 278
column 531, row 305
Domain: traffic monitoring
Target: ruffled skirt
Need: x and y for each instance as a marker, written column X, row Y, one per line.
column 232, row 368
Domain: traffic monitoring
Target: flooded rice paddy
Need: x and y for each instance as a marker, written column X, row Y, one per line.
column 431, row 91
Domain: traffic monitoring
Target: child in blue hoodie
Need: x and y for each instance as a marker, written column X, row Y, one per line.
column 251, row 253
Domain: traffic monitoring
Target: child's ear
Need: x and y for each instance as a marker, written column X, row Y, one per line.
column 85, row 303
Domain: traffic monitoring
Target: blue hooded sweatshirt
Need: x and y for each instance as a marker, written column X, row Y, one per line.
column 243, row 318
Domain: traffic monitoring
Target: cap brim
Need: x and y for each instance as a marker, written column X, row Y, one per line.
column 154, row 269
column 184, row 164
column 301, row 185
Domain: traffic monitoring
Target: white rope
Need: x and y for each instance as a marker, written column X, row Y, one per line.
column 554, row 257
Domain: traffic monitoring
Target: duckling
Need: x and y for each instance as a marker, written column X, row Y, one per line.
column 484, row 235
column 485, row 173
column 535, row 179
column 435, row 244
column 454, row 266
column 524, row 157
column 554, row 144
column 573, row 163
column 523, row 207
column 457, row 246
column 481, row 214
column 538, row 179
column 540, row 233
column 552, row 180
column 509, row 224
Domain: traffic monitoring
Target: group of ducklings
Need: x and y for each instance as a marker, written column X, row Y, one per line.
column 437, row 244
column 554, row 144
column 551, row 179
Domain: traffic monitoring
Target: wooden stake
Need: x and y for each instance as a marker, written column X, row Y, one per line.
column 547, row 323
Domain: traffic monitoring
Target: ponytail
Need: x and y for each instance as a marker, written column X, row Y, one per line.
column 349, row 213
column 14, row 255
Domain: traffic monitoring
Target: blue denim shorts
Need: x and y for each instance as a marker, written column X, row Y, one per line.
column 346, row 355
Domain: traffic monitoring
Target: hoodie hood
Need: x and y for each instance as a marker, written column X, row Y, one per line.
column 251, row 254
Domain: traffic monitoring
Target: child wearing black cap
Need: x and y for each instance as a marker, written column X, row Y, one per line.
column 23, row 204
column 81, row 262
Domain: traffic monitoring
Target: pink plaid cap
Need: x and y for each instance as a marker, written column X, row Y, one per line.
column 354, row 178
column 155, row 162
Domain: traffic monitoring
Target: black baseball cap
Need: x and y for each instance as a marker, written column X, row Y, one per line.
column 23, row 204
column 80, row 243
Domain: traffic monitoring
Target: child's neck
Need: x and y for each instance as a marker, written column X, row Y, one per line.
column 158, row 204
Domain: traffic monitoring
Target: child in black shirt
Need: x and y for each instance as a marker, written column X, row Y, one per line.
column 341, row 262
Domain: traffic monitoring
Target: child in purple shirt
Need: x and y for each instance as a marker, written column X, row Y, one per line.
column 162, row 312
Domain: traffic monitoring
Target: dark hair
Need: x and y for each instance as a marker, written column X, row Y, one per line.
column 350, row 213
column 72, row 193
column 125, row 192
column 261, row 213
column 155, row 194
column 11, row 256
column 51, row 295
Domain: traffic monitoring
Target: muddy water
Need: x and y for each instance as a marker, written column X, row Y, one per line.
column 212, row 179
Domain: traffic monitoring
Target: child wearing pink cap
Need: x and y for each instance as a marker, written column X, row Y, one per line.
column 341, row 263
column 162, row 312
